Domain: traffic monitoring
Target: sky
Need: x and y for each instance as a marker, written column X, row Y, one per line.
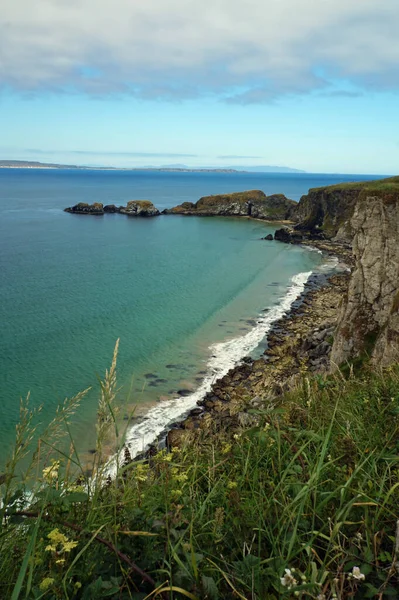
column 308, row 84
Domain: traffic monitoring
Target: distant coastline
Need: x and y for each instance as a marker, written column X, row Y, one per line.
column 22, row 164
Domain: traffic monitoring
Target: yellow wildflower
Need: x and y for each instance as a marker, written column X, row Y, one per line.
column 175, row 494
column 60, row 542
column 141, row 472
column 46, row 584
column 232, row 485
column 68, row 546
column 50, row 473
column 226, row 448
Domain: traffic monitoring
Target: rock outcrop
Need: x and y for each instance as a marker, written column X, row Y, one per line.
column 134, row 208
column 363, row 217
column 139, row 208
column 253, row 203
column 111, row 208
column 369, row 319
column 86, row 209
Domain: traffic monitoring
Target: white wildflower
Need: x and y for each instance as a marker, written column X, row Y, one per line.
column 356, row 574
column 288, row 580
column 321, row 597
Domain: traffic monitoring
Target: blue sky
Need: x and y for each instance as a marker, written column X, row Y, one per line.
column 310, row 84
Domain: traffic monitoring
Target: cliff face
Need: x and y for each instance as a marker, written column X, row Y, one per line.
column 253, row 203
column 365, row 217
column 369, row 318
column 328, row 210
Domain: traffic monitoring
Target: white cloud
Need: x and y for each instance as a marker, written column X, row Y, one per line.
column 242, row 50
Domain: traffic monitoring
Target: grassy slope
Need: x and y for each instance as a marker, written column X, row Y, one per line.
column 389, row 184
column 311, row 485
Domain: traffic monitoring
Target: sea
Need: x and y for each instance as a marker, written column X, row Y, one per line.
column 187, row 297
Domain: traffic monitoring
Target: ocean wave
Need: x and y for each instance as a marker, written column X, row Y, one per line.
column 224, row 356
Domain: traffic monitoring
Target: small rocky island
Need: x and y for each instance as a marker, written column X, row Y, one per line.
column 252, row 203
column 134, row 208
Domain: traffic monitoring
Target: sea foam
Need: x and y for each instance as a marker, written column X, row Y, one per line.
column 224, row 356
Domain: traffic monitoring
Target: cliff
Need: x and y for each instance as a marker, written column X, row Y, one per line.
column 328, row 210
column 252, row 203
column 369, row 320
column 364, row 217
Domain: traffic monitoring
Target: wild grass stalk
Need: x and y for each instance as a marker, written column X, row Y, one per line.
column 303, row 504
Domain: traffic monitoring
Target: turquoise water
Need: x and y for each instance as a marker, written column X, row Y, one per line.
column 170, row 288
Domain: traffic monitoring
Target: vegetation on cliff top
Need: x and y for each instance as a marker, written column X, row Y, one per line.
column 302, row 503
column 388, row 184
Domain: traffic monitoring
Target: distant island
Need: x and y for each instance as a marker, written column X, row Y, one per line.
column 28, row 164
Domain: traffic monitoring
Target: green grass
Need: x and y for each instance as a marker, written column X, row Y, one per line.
column 390, row 184
column 311, row 487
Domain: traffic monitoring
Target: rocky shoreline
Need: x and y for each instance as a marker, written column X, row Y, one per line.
column 300, row 341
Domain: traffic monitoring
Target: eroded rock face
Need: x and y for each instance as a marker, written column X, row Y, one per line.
column 328, row 210
column 139, row 208
column 82, row 208
column 253, row 203
column 369, row 318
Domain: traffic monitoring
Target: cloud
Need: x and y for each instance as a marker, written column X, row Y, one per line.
column 107, row 153
column 243, row 52
column 233, row 156
column 342, row 94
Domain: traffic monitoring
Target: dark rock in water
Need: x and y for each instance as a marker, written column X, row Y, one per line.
column 288, row 236
column 82, row 208
column 111, row 208
column 139, row 208
column 184, row 392
column 159, row 380
column 268, row 237
column 247, row 359
column 195, row 412
column 201, row 372
column 92, row 451
column 150, row 376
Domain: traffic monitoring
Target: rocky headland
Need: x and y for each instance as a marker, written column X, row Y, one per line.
column 134, row 208
column 349, row 317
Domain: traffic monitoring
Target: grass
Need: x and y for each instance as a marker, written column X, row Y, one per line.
column 304, row 504
column 390, row 184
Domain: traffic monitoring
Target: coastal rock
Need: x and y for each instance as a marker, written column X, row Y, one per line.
column 252, row 203
column 175, row 438
column 369, row 319
column 326, row 212
column 268, row 237
column 289, row 236
column 82, row 208
column 139, row 208
column 111, row 208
